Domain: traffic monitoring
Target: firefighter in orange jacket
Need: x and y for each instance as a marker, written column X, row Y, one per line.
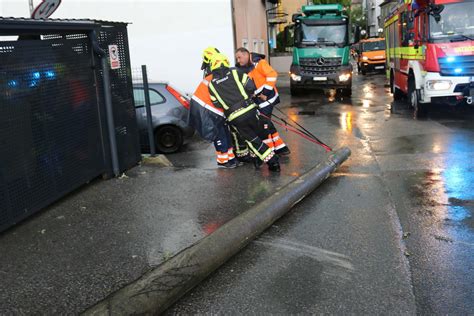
column 267, row 96
column 213, row 118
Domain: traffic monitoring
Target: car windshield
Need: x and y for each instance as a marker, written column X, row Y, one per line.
column 456, row 21
column 323, row 34
column 371, row 46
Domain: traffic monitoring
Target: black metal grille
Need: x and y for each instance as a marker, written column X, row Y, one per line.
column 53, row 135
column 320, row 66
column 126, row 129
column 49, row 124
column 457, row 66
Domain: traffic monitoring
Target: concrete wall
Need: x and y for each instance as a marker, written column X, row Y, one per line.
column 250, row 25
column 281, row 63
column 166, row 35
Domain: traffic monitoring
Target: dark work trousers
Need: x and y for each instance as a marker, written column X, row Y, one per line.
column 249, row 128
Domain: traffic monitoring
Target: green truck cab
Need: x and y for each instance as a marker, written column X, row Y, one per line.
column 321, row 50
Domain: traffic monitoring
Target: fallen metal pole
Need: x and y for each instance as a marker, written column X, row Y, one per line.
column 157, row 290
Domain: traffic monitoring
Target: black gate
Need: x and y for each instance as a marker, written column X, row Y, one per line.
column 53, row 127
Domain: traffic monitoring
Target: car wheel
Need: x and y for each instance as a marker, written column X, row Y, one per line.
column 168, row 139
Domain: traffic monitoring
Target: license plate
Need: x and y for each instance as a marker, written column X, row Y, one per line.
column 320, row 78
column 379, row 67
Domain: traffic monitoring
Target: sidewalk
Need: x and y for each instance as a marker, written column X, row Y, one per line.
column 107, row 234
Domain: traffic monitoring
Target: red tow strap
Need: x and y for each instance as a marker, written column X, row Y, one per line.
column 296, row 131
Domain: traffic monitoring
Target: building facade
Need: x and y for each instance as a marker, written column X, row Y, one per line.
column 373, row 17
column 250, row 25
column 386, row 8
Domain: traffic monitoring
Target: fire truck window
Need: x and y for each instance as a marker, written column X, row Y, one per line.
column 396, row 35
column 404, row 29
column 455, row 20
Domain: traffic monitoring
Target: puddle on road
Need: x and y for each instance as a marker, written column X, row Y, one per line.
column 444, row 195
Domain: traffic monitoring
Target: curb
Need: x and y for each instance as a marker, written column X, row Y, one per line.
column 158, row 289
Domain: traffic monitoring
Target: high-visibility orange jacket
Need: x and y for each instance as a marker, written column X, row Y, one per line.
column 264, row 77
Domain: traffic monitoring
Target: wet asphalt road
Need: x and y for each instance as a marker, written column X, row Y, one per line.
column 392, row 232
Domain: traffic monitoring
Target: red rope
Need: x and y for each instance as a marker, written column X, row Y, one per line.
column 291, row 129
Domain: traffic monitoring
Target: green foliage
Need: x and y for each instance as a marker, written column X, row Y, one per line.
column 345, row 3
column 358, row 18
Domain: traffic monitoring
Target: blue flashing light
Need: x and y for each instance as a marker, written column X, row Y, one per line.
column 50, row 74
column 36, row 75
column 450, row 59
column 13, row 83
column 458, row 70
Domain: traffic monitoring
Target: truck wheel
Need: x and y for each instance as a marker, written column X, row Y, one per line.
column 364, row 72
column 397, row 94
column 294, row 91
column 419, row 109
column 346, row 92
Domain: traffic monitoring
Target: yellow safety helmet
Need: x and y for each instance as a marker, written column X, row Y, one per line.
column 207, row 56
column 219, row 60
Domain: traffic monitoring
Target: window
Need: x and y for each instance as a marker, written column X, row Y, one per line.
column 245, row 43
column 373, row 46
column 262, row 46
column 455, row 22
column 404, row 30
column 139, row 97
column 336, row 34
column 255, row 46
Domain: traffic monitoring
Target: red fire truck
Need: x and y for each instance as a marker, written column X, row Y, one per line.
column 430, row 52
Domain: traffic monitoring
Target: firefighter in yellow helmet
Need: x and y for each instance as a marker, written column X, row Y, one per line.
column 208, row 120
column 232, row 91
column 206, row 59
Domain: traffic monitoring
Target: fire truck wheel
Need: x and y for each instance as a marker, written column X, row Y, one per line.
column 419, row 109
column 397, row 94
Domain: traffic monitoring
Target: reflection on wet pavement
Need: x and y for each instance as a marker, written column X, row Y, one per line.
column 428, row 166
column 416, row 176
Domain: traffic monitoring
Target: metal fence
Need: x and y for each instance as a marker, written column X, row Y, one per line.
column 53, row 127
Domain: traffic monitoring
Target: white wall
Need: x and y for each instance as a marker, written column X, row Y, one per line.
column 166, row 35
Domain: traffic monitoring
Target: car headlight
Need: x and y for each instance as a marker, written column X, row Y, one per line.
column 438, row 84
column 365, row 58
column 344, row 77
column 295, row 77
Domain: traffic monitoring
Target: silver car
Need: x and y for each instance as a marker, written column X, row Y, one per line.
column 169, row 110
